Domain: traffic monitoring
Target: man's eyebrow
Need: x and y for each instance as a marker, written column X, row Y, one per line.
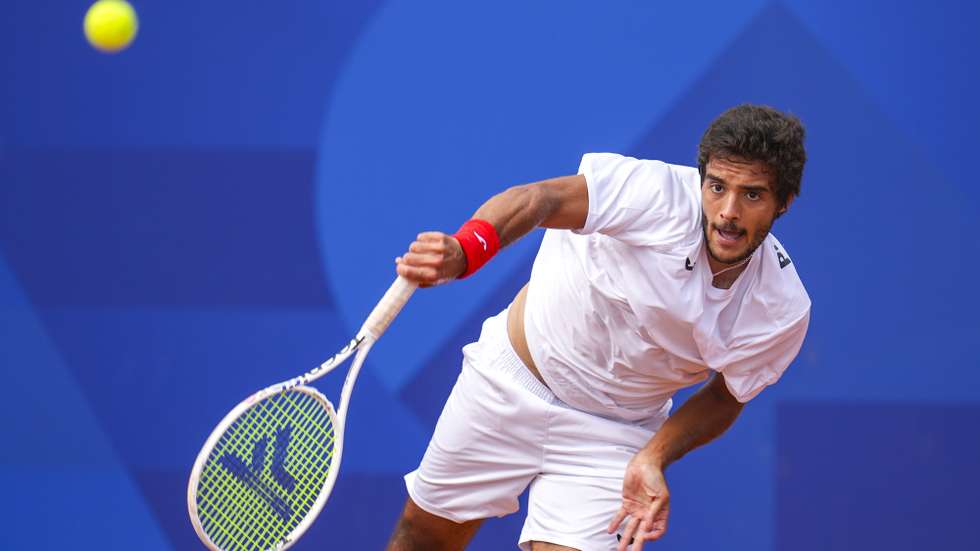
column 716, row 178
column 757, row 189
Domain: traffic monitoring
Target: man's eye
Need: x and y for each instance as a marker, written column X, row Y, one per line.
column 717, row 188
column 753, row 196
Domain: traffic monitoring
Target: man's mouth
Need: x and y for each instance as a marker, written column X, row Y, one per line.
column 729, row 236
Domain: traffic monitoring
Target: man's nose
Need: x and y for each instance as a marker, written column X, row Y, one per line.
column 729, row 207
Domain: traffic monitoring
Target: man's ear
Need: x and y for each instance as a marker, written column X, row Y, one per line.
column 789, row 201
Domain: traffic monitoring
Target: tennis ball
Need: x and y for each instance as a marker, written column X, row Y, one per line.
column 110, row 25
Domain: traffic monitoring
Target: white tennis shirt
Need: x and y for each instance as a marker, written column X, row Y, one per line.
column 622, row 313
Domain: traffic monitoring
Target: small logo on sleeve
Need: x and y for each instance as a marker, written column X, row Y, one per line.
column 688, row 265
column 783, row 259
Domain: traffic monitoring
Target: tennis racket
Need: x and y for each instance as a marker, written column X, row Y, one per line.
column 266, row 470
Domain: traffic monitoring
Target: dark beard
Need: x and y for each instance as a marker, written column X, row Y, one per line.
column 752, row 246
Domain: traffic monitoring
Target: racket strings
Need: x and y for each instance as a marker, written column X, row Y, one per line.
column 264, row 493
column 265, row 473
column 250, row 530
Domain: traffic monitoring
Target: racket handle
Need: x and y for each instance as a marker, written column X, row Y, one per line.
column 389, row 306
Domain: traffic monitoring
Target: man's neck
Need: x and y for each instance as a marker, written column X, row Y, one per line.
column 727, row 273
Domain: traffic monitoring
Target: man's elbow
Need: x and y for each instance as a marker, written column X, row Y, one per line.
column 537, row 198
column 718, row 389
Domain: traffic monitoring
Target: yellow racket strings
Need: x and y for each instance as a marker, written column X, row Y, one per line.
column 265, row 473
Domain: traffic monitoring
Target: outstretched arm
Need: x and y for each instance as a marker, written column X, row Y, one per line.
column 435, row 257
column 704, row 416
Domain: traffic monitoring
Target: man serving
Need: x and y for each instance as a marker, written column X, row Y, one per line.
column 651, row 277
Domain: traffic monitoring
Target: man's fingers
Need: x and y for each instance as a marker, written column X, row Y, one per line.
column 646, row 533
column 628, row 534
column 617, row 520
column 422, row 275
column 646, row 525
column 422, row 259
column 656, row 506
column 438, row 247
column 643, row 534
column 431, row 259
column 654, row 524
column 430, row 236
column 660, row 522
column 638, row 537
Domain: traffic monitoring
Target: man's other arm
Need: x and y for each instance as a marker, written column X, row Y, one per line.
column 646, row 500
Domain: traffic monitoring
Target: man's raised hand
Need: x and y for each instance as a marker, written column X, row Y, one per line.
column 433, row 258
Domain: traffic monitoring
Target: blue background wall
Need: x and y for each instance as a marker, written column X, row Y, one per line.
column 217, row 208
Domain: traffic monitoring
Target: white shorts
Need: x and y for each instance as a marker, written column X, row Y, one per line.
column 501, row 430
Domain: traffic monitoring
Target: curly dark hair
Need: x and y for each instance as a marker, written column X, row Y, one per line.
column 759, row 133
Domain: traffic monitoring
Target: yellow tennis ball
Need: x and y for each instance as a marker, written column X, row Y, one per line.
column 110, row 25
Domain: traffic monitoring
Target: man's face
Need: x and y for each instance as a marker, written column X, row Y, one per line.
column 739, row 206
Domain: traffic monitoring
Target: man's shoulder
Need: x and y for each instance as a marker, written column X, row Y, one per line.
column 687, row 173
column 779, row 285
column 679, row 172
column 641, row 202
column 688, row 176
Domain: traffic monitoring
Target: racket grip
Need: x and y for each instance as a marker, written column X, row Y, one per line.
column 389, row 306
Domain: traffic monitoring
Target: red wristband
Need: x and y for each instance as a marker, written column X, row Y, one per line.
column 479, row 241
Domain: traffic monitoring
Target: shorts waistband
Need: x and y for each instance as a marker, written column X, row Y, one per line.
column 508, row 363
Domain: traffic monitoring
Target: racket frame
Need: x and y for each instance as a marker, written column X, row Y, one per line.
column 377, row 322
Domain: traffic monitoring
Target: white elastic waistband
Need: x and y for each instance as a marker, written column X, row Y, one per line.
column 508, row 363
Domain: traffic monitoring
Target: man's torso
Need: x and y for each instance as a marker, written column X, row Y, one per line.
column 615, row 326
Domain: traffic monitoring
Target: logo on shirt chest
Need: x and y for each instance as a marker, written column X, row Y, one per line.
column 688, row 265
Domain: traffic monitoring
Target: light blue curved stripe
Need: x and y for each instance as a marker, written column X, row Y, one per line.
column 443, row 104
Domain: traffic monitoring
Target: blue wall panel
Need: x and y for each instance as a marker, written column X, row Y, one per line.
column 899, row 476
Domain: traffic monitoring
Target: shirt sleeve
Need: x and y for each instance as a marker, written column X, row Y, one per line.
column 638, row 201
column 751, row 368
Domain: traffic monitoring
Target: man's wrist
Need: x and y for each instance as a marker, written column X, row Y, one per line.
column 653, row 456
column 479, row 242
column 459, row 256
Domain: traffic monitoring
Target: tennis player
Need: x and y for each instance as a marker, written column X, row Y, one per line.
column 651, row 277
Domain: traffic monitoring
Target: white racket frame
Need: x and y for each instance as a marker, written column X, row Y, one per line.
column 377, row 322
